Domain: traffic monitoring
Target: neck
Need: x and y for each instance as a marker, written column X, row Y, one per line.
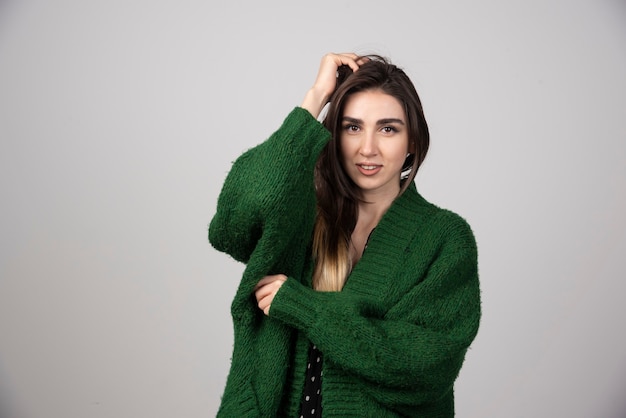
column 374, row 207
column 371, row 212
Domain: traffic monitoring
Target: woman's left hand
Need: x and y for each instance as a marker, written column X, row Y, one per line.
column 266, row 289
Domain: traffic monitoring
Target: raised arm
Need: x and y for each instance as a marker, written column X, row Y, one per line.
column 326, row 82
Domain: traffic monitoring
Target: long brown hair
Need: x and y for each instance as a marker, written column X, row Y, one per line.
column 337, row 195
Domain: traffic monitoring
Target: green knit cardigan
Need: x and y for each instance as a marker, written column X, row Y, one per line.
column 393, row 339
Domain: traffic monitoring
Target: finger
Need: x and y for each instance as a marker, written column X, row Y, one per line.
column 348, row 56
column 262, row 303
column 262, row 292
column 352, row 60
column 265, row 304
column 348, row 59
column 362, row 60
column 266, row 280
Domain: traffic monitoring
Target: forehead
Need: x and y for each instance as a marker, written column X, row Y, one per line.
column 373, row 104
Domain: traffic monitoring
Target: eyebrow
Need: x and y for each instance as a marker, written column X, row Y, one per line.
column 385, row 121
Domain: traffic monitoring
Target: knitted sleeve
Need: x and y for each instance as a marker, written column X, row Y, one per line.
column 264, row 218
column 407, row 354
column 266, row 187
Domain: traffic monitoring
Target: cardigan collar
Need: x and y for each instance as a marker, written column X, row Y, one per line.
column 388, row 241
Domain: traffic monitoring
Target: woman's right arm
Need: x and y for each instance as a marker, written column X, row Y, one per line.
column 326, row 82
column 270, row 187
column 270, row 177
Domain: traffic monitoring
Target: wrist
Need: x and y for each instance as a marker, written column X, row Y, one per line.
column 314, row 101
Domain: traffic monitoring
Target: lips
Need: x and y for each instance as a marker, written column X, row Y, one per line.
column 368, row 169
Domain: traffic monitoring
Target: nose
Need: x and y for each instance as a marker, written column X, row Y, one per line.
column 369, row 145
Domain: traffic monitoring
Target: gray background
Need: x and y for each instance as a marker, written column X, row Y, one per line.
column 119, row 120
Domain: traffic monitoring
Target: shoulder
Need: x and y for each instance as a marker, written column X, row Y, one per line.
column 422, row 210
column 450, row 222
column 453, row 233
column 425, row 226
column 441, row 224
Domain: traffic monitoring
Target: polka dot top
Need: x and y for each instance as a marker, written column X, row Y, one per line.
column 311, row 404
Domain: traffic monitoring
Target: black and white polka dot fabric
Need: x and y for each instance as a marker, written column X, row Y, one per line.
column 311, row 405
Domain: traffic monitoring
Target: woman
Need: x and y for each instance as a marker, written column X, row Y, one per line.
column 359, row 297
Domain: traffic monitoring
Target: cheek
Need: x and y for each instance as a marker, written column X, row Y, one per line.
column 400, row 158
column 401, row 151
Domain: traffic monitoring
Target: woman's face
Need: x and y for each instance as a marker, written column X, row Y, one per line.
column 374, row 142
